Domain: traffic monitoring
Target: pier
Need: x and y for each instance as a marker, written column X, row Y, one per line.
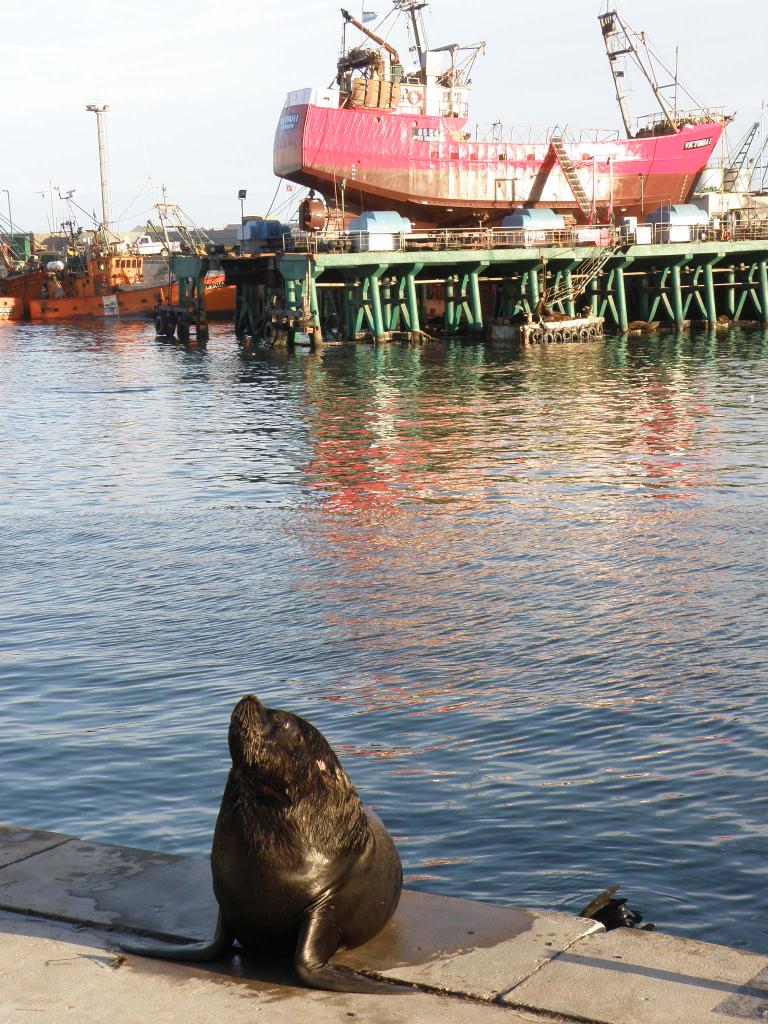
column 67, row 904
column 454, row 283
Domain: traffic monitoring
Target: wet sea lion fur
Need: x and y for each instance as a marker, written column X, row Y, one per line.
column 300, row 868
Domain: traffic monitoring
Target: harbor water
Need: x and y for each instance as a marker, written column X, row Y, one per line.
column 524, row 597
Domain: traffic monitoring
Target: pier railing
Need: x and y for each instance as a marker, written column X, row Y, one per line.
column 751, row 232
column 578, row 237
column 449, row 239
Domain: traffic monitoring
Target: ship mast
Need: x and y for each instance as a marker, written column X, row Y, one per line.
column 414, row 8
column 99, row 112
column 621, row 41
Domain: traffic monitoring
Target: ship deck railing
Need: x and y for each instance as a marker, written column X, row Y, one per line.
column 648, row 123
column 532, row 134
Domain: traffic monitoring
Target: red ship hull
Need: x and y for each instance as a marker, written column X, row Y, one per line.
column 428, row 169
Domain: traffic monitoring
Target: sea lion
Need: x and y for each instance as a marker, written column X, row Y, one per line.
column 300, row 867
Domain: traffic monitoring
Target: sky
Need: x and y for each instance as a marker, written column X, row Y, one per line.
column 195, row 88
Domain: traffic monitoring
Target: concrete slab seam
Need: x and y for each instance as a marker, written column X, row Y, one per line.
column 548, row 1018
column 38, row 853
column 99, row 926
column 433, row 990
column 545, row 1016
column 542, row 967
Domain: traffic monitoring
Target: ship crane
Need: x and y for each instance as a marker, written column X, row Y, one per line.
column 458, row 73
column 360, row 57
column 760, row 175
column 624, row 47
column 733, row 173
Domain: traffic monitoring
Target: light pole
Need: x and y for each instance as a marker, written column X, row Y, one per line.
column 102, row 140
column 762, row 147
column 241, row 195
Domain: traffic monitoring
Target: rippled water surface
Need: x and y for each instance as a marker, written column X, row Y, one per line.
column 523, row 596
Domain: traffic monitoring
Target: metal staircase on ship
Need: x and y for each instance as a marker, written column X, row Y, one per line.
column 558, row 148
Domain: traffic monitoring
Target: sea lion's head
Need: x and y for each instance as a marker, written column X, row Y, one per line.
column 287, row 753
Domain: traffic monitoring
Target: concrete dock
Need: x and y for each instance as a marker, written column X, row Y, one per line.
column 65, row 904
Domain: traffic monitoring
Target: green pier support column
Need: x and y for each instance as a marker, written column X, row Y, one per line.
column 621, row 300
column 378, row 319
column 533, row 285
column 522, row 296
column 764, row 291
column 677, row 296
column 314, row 305
column 349, row 309
column 290, row 294
column 731, row 293
column 709, row 294
column 362, row 313
column 413, row 303
column 476, row 305
column 450, row 304
column 386, row 303
column 570, row 305
column 594, row 295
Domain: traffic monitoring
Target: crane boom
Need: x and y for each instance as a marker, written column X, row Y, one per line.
column 371, row 35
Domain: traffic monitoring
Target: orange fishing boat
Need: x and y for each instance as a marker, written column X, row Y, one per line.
column 98, row 283
column 111, row 284
column 103, row 279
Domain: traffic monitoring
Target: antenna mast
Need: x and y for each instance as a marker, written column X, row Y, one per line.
column 99, row 112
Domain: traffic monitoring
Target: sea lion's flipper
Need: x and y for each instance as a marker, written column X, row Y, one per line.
column 188, row 952
column 319, row 938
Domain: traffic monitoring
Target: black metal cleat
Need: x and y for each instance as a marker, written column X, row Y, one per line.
column 614, row 913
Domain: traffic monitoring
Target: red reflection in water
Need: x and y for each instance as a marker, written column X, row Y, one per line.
column 668, row 424
column 425, row 479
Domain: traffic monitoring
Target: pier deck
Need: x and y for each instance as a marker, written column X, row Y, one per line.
column 456, row 283
column 64, row 904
